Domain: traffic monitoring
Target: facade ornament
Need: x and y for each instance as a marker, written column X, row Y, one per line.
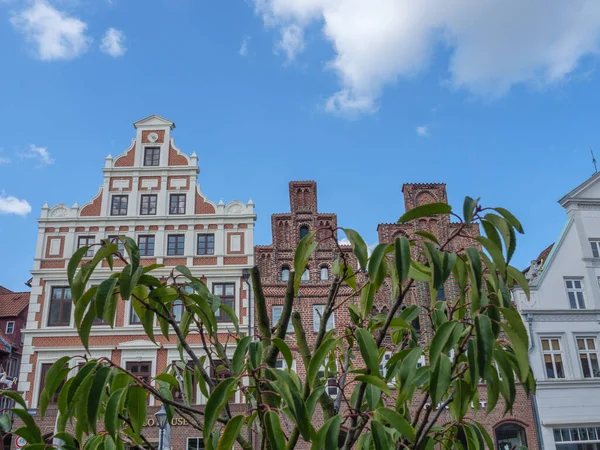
column 535, row 269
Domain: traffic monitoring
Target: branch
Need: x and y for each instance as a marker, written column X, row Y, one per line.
column 262, row 315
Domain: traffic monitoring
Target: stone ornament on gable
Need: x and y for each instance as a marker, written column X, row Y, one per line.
column 58, row 211
column 535, row 269
column 153, row 137
column 236, row 208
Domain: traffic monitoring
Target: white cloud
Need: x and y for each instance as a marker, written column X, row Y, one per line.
column 40, row 154
column 423, row 130
column 344, row 241
column 13, row 205
column 243, row 51
column 492, row 45
column 55, row 34
column 113, row 43
column 291, row 42
column 4, row 160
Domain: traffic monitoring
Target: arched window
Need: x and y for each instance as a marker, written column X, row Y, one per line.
column 285, row 273
column 324, row 273
column 510, row 435
column 305, row 275
column 303, row 231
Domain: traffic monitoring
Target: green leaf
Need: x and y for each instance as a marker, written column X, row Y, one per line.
column 168, row 378
column 74, row 262
column 424, row 211
column 381, row 438
column 216, row 402
column 231, row 432
column 373, row 395
column 518, row 276
column 439, row 341
column 367, row 297
column 402, row 251
column 376, row 261
column 507, row 232
column 359, row 247
column 516, row 332
column 78, row 379
column 15, row 396
column 237, row 362
column 104, row 292
column 510, row 219
column 397, row 421
column 493, row 389
column 368, row 349
column 495, row 253
column 113, row 408
column 54, row 377
column 317, row 360
column 229, row 312
column 434, row 263
column 486, row 436
column 303, row 253
column 469, row 209
column 274, row 431
column 96, row 394
column 440, row 379
column 375, row 381
column 86, row 326
column 285, row 351
column 136, row 405
column 428, row 235
column 187, row 273
column 475, row 270
column 485, row 343
column 35, row 435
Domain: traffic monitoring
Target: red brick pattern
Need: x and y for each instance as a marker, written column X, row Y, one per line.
column 198, row 227
column 235, row 260
column 242, row 226
column 202, row 206
column 176, row 159
column 178, row 177
column 156, row 188
column 62, row 246
column 127, row 159
column 174, row 261
column 79, row 229
column 213, row 226
column 50, row 230
column 182, row 227
column 160, row 133
column 112, row 188
column 140, row 228
column 228, row 226
column 153, row 227
column 169, row 227
column 242, row 243
column 93, row 209
column 109, row 228
column 92, row 229
column 64, row 229
column 123, row 228
column 53, row 264
column 205, row 261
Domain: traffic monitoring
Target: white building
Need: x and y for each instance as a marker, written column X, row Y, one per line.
column 563, row 316
column 151, row 194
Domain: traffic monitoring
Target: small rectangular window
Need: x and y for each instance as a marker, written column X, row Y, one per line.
column 10, row 327
column 43, row 372
column 148, row 205
column 86, row 241
column 276, row 311
column 552, row 354
column 177, row 204
column 152, row 156
column 120, row 246
column 206, row 244
column 134, row 319
column 146, row 245
column 195, row 443
column 574, row 288
column 595, row 244
column 588, row 356
column 176, row 245
column 60, row 307
column 119, row 205
column 317, row 314
column 331, row 383
column 226, row 292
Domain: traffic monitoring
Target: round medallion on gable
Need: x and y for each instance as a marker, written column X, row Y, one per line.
column 152, row 137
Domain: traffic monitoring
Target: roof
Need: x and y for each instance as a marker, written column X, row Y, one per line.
column 5, row 343
column 12, row 303
column 545, row 253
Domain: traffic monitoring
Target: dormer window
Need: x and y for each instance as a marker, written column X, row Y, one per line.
column 152, row 156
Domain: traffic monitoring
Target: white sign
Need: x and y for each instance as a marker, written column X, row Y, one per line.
column 20, row 442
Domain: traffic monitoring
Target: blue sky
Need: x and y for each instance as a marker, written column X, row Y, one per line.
column 495, row 100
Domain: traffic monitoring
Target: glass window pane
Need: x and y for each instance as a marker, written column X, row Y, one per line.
column 229, row 289
column 569, row 284
column 581, row 344
column 572, row 302
column 591, row 343
column 555, row 344
column 545, row 344
column 585, row 366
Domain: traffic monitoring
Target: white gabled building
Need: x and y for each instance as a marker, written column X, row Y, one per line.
column 149, row 193
column 563, row 316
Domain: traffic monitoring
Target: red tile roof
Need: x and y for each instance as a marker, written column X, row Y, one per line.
column 12, row 303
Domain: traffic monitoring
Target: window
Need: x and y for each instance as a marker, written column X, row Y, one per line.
column 580, row 438
column 134, row 319
column 151, row 156
column 177, row 204
column 553, row 358
column 441, row 294
column 324, row 272
column 226, row 292
column 317, row 314
column 60, row 307
column 206, row 244
column 331, row 384
column 303, row 231
column 44, row 371
column 178, row 309
column 140, row 370
column 119, row 205
column 146, row 245
column 595, row 244
column 575, row 292
column 148, row 205
column 305, row 275
column 416, row 324
column 179, row 369
column 195, row 443
column 120, row 246
column 176, row 244
column 384, row 360
column 10, row 327
column 86, row 241
column 588, row 355
column 276, row 311
column 285, row 273
column 510, row 435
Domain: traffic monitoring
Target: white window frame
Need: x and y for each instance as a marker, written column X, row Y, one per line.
column 290, row 328
column 284, row 364
column 321, row 374
column 578, row 301
column 90, row 252
column 324, row 270
column 552, row 354
column 197, row 439
column 595, row 247
column 285, row 269
column 588, row 354
column 10, row 325
column 317, row 311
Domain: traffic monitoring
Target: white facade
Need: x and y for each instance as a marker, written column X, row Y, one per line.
column 215, row 240
column 563, row 317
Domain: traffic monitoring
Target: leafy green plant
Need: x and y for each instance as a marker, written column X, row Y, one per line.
column 477, row 337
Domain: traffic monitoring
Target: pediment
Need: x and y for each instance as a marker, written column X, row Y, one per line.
column 154, row 121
